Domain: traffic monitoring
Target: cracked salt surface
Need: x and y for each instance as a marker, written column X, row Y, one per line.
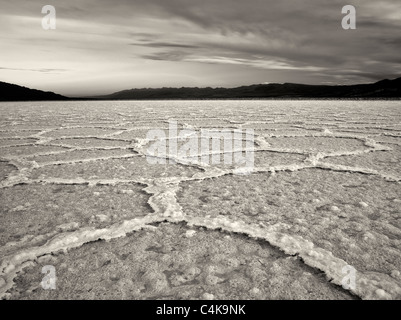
column 80, row 155
column 325, row 193
column 316, row 143
column 321, row 206
column 165, row 263
column 41, row 209
column 15, row 152
column 388, row 162
column 15, row 142
column 90, row 142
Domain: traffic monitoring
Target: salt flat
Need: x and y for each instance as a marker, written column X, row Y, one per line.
column 77, row 192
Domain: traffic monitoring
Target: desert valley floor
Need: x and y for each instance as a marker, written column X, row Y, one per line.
column 323, row 198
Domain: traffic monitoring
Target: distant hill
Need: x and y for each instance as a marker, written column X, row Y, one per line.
column 12, row 92
column 388, row 89
column 384, row 89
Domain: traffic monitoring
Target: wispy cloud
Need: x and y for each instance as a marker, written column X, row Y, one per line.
column 43, row 70
column 165, row 45
column 256, row 63
column 120, row 44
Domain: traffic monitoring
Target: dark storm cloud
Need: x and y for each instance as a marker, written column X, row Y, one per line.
column 258, row 40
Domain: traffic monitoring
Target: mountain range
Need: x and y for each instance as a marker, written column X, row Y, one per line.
column 13, row 92
column 384, row 89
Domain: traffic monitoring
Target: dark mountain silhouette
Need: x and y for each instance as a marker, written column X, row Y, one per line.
column 13, row 92
column 383, row 89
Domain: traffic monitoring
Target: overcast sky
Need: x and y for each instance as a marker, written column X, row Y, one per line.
column 100, row 46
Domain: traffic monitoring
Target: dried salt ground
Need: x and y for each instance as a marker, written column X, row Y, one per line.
column 90, row 143
column 29, row 150
column 322, row 213
column 80, row 155
column 133, row 168
column 7, row 134
column 163, row 262
column 45, row 210
column 6, row 169
column 336, row 211
column 79, row 132
column 386, row 162
column 15, row 142
column 316, row 144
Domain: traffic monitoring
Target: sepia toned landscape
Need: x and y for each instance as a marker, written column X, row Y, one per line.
column 194, row 158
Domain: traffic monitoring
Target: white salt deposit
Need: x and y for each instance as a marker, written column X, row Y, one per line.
column 190, row 233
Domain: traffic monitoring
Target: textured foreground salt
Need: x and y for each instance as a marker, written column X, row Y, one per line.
column 46, row 209
column 173, row 261
column 325, row 191
column 350, row 218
